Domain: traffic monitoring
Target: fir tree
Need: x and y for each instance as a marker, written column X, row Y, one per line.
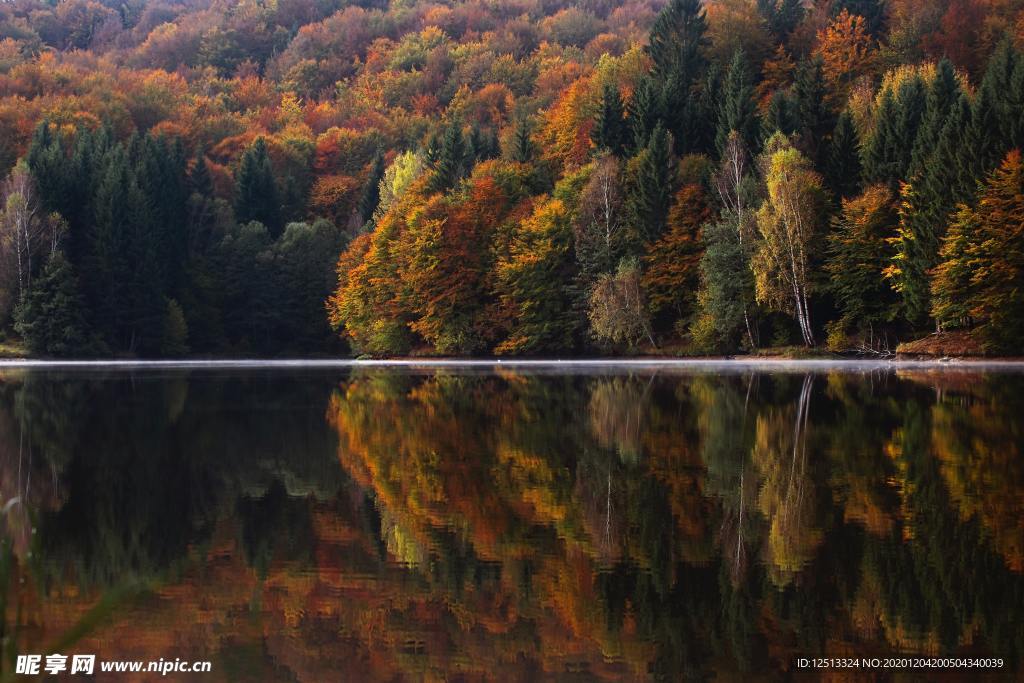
column 371, row 190
column 782, row 16
column 980, row 150
column 651, row 187
column 814, row 120
column 256, row 194
column 644, row 112
column 521, row 148
column 843, row 169
column 873, row 12
column 453, row 161
column 738, row 111
column 610, row 129
column 780, row 116
column 677, row 41
column 51, row 319
column 982, row 274
column 943, row 95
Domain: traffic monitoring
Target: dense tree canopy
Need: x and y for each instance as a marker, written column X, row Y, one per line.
column 460, row 155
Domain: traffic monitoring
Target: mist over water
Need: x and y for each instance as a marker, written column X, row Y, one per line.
column 511, row 521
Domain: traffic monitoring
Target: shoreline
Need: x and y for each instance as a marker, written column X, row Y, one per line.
column 775, row 363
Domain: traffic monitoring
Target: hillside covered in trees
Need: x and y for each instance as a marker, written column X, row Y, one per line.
column 222, row 177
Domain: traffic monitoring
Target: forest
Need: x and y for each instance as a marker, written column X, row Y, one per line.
column 527, row 177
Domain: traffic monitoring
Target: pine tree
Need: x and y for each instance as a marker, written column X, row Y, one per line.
column 843, row 169
column 651, row 187
column 51, row 319
column 371, row 190
column 610, row 129
column 738, row 111
column 256, row 193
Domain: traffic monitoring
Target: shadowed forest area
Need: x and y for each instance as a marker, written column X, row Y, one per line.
column 531, row 177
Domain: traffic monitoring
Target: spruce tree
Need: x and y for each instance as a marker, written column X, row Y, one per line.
column 843, row 169
column 781, row 16
column 888, row 155
column 644, row 112
column 780, row 116
column 814, row 120
column 610, row 130
column 925, row 208
column 980, row 149
column 873, row 12
column 738, row 111
column 51, row 319
column 943, row 95
column 651, row 187
column 677, row 41
column 371, row 190
column 521, row 148
column 256, row 192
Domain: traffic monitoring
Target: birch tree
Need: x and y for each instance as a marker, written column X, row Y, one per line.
column 787, row 222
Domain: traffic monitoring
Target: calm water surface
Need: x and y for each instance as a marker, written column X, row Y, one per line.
column 512, row 523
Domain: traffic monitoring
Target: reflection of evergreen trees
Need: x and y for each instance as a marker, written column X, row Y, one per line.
column 148, row 463
column 634, row 514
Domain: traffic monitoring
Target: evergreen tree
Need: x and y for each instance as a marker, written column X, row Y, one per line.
column 813, row 118
column 858, row 255
column 738, row 111
column 677, row 41
column 610, row 129
column 199, row 180
column 644, row 112
column 51, row 319
column 1003, row 80
column 371, row 190
column 521, row 147
column 782, row 16
column 676, row 46
column 451, row 166
column 256, row 192
column 982, row 274
column 888, row 155
column 651, row 187
column 925, row 207
column 980, row 149
column 943, row 95
column 174, row 340
column 873, row 12
column 780, row 116
column 843, row 169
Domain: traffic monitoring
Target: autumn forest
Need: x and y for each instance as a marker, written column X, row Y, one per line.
column 524, row 177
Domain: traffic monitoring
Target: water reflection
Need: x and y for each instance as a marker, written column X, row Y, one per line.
column 381, row 524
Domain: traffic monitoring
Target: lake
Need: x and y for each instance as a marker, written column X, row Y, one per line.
column 521, row 522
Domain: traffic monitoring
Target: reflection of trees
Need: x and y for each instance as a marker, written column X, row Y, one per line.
column 616, row 527
column 787, row 492
column 149, row 463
